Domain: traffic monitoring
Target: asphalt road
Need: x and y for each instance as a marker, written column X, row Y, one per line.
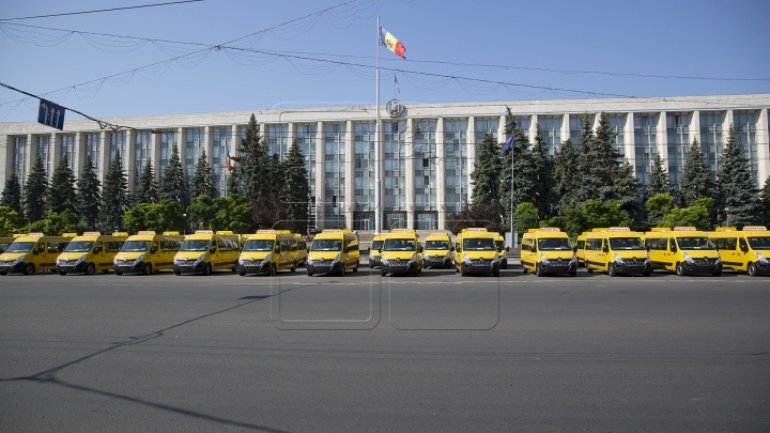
column 363, row 353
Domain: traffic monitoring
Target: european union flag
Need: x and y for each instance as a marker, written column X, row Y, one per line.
column 507, row 146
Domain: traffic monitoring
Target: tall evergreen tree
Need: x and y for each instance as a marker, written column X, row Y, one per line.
column 565, row 176
column 659, row 183
column 695, row 181
column 525, row 177
column 89, row 194
column 252, row 162
column 203, row 180
column 486, row 175
column 174, row 184
column 296, row 191
column 544, row 177
column 147, row 191
column 114, row 196
column 12, row 194
column 766, row 202
column 61, row 193
column 35, row 192
column 738, row 188
column 588, row 164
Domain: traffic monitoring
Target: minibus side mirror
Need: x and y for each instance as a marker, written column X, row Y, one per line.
column 419, row 249
column 36, row 251
column 97, row 250
column 459, row 249
column 277, row 249
column 673, row 248
column 153, row 249
column 499, row 249
column 605, row 249
column 308, row 249
column 744, row 248
column 213, row 250
column 574, row 249
column 507, row 248
column 451, row 248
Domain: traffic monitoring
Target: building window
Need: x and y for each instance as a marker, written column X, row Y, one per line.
column 426, row 220
column 425, row 168
column 118, row 147
column 617, row 124
column 745, row 126
column 93, row 149
column 334, row 174
column 67, row 150
column 194, row 147
column 277, row 140
column 576, row 127
column 484, row 126
column 678, row 133
column 142, row 155
column 19, row 158
column 168, row 141
column 711, row 138
column 305, row 135
column 645, row 147
column 43, row 150
column 363, row 142
column 363, row 221
column 455, row 165
column 221, row 139
column 550, row 130
column 394, row 179
column 395, row 220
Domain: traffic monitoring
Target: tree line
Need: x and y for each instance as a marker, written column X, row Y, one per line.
column 591, row 185
column 262, row 192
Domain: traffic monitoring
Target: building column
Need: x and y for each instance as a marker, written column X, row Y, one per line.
column 662, row 141
column 763, row 149
column 532, row 128
column 78, row 154
column 501, row 138
column 208, row 146
column 54, row 153
column 440, row 174
column 31, row 158
column 694, row 129
column 564, row 132
column 130, row 158
column 470, row 158
column 320, row 177
column 409, row 173
column 104, row 143
column 291, row 132
column 349, row 161
column 182, row 147
column 630, row 141
column 155, row 154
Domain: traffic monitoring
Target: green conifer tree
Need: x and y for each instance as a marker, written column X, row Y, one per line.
column 35, row 192
column 203, row 180
column 739, row 189
column 544, row 177
column 12, row 194
column 766, row 202
column 61, row 193
column 695, row 181
column 565, row 176
column 487, row 173
column 296, row 191
column 89, row 194
column 174, row 184
column 147, row 190
column 114, row 196
column 659, row 183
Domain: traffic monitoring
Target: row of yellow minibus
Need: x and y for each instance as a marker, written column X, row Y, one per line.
column 614, row 250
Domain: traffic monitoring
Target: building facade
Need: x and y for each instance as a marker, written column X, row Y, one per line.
column 427, row 152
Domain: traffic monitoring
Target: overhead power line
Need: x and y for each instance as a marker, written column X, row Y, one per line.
column 620, row 74
column 123, row 8
column 102, row 124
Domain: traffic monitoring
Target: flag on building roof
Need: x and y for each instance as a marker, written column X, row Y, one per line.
column 392, row 43
column 507, row 146
column 228, row 162
column 395, row 82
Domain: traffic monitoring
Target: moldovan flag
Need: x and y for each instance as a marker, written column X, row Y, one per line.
column 392, row 43
column 228, row 162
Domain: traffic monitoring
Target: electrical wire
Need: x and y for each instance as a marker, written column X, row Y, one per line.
column 123, row 8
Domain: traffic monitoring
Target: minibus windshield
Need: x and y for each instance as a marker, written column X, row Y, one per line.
column 258, row 245
column 760, row 242
column 78, row 247
column 553, row 244
column 626, row 244
column 195, row 245
column 399, row 245
column 436, row 245
column 135, row 246
column 479, row 244
column 326, row 245
column 694, row 243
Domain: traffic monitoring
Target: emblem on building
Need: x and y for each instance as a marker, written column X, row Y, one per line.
column 394, row 107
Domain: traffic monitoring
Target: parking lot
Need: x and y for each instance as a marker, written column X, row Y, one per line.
column 360, row 353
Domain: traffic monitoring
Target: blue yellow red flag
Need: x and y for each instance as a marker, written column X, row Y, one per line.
column 392, row 43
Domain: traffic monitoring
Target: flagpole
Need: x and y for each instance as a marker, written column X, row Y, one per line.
column 513, row 234
column 377, row 180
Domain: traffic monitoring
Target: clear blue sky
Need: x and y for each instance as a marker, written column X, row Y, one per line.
column 708, row 38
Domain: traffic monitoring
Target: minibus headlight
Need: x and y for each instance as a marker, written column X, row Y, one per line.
column 200, row 259
column 761, row 258
column 139, row 259
column 19, row 260
column 267, row 258
column 618, row 259
column 466, row 259
column 544, row 259
column 336, row 259
column 688, row 259
column 81, row 259
column 412, row 260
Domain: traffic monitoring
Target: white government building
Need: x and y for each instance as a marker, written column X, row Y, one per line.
column 428, row 150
